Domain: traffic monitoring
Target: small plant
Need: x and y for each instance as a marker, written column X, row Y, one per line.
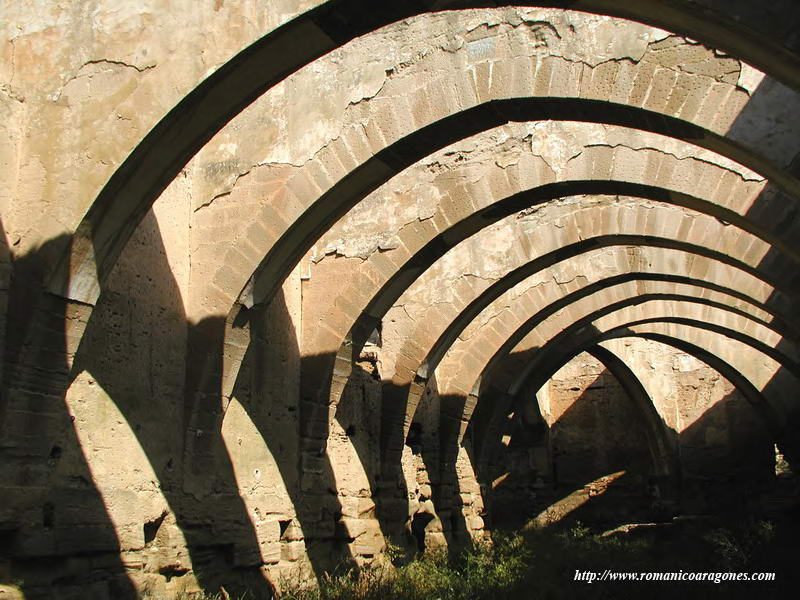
column 480, row 571
column 727, row 548
column 578, row 531
column 149, row 594
column 737, row 549
column 540, row 564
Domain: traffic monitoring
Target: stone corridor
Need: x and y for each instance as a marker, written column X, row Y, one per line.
column 286, row 284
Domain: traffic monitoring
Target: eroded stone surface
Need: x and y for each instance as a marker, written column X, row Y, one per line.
column 176, row 434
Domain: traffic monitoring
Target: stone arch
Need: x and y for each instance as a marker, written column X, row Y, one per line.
column 743, row 369
column 635, row 289
column 635, row 310
column 510, row 327
column 524, row 338
column 753, row 237
column 539, row 255
column 594, row 161
column 536, row 361
column 429, row 342
column 674, row 334
column 422, row 243
column 286, row 248
column 96, row 243
column 486, row 425
column 491, row 111
column 661, row 440
column 247, row 253
column 485, row 435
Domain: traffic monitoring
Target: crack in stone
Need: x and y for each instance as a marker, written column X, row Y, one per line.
column 422, row 55
column 11, row 92
column 13, row 60
column 741, row 176
column 405, row 310
column 298, row 166
column 227, row 192
column 99, row 61
column 366, row 98
column 476, row 276
column 118, row 63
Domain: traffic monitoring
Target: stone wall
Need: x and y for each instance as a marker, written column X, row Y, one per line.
column 279, row 284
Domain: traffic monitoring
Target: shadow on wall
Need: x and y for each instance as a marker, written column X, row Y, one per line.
column 92, row 450
column 440, row 447
column 551, row 470
column 772, row 94
column 51, row 506
column 588, row 465
column 267, row 387
column 727, row 463
column 415, row 487
column 135, row 349
column 358, row 416
column 457, row 489
column 126, row 466
column 74, row 515
column 5, row 283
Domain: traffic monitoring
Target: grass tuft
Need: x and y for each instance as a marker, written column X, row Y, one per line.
column 541, row 563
